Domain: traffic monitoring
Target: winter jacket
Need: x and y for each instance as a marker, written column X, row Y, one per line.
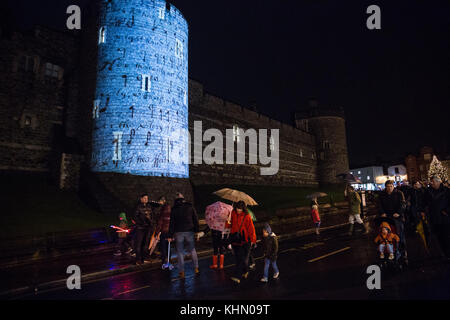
column 354, row 202
column 437, row 201
column 389, row 238
column 392, row 203
column 183, row 218
column 122, row 225
column 270, row 246
column 417, row 199
column 163, row 219
column 247, row 229
column 143, row 216
column 315, row 215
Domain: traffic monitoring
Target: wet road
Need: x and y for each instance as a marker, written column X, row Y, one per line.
column 330, row 267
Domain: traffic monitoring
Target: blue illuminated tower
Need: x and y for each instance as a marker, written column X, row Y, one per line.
column 140, row 110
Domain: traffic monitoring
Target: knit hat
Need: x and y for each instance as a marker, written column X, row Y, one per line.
column 267, row 228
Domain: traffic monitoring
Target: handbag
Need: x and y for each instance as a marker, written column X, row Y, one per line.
column 237, row 237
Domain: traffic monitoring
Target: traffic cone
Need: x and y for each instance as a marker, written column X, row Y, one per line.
column 214, row 265
column 222, row 258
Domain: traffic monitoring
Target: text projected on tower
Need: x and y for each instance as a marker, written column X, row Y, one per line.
column 142, row 88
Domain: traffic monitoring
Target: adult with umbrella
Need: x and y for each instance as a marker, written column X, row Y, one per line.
column 216, row 216
column 236, row 196
column 354, row 204
column 242, row 236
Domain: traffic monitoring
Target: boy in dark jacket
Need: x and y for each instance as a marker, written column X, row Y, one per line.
column 270, row 248
column 124, row 243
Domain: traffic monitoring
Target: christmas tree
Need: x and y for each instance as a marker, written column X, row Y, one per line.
column 437, row 169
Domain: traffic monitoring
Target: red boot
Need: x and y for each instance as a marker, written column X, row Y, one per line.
column 222, row 258
column 214, row 265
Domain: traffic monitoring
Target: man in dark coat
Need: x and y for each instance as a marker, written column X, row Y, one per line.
column 416, row 199
column 144, row 222
column 437, row 201
column 391, row 204
column 182, row 228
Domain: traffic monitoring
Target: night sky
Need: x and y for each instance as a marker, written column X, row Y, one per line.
column 393, row 83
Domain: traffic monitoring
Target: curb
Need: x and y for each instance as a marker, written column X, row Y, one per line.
column 131, row 268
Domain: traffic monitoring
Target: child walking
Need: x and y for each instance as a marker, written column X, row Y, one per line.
column 270, row 248
column 315, row 217
column 124, row 245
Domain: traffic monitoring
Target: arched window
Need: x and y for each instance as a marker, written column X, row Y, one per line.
column 102, row 35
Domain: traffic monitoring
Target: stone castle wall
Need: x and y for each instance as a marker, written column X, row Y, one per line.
column 33, row 99
column 297, row 166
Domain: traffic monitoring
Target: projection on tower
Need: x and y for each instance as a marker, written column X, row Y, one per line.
column 140, row 111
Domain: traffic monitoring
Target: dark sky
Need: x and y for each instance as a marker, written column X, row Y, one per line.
column 393, row 83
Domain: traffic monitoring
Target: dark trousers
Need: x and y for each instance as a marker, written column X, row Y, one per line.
column 217, row 242
column 163, row 246
column 400, row 229
column 141, row 246
column 241, row 254
column 123, row 244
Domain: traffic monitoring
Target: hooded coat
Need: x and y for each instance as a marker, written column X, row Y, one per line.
column 389, row 238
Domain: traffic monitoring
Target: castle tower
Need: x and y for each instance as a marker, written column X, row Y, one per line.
column 140, row 110
column 328, row 127
column 135, row 101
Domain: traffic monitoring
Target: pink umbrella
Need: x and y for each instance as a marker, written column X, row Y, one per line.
column 217, row 214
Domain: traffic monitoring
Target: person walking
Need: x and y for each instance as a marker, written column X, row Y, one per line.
column 391, row 203
column 242, row 237
column 437, row 203
column 143, row 223
column 416, row 199
column 270, row 249
column 354, row 203
column 162, row 230
column 124, row 245
column 182, row 228
column 316, row 218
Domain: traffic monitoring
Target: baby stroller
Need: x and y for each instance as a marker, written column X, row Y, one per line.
column 390, row 261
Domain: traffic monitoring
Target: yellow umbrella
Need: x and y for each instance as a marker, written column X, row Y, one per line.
column 235, row 196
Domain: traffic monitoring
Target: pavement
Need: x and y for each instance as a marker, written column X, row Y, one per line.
column 333, row 266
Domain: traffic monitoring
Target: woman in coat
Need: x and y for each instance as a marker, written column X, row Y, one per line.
column 242, row 225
